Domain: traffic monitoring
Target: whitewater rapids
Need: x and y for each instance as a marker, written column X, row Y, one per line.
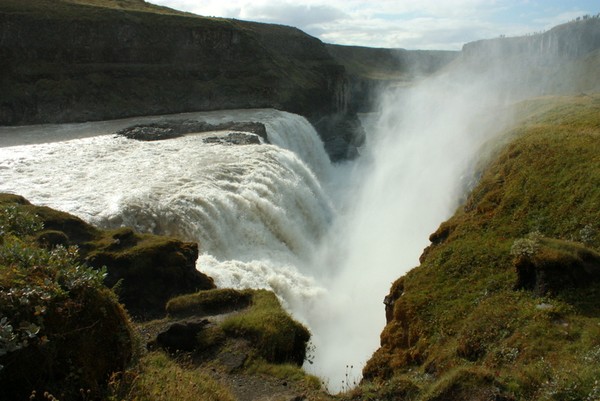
column 257, row 211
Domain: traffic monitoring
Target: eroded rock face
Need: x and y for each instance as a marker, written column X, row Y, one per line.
column 153, row 269
column 81, row 63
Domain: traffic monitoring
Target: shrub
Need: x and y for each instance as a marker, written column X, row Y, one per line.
column 60, row 329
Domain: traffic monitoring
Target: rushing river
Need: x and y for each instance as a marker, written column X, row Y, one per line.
column 328, row 239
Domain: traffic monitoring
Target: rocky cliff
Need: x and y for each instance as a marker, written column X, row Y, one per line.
column 88, row 60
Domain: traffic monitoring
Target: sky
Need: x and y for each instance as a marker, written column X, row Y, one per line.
column 408, row 24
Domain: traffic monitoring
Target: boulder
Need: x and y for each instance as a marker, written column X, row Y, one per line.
column 181, row 336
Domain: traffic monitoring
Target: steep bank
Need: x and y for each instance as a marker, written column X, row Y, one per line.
column 504, row 305
column 92, row 60
column 148, row 269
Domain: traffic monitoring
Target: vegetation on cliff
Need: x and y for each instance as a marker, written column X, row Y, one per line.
column 506, row 302
column 61, row 330
column 65, row 336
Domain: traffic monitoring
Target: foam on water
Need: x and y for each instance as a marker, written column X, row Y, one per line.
column 257, row 211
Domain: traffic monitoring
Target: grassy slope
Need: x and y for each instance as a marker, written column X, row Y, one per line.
column 459, row 323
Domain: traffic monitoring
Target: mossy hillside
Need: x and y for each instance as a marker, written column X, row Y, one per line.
column 461, row 310
column 61, row 330
column 149, row 269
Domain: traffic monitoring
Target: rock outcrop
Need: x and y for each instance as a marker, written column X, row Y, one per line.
column 147, row 269
column 243, row 132
column 548, row 266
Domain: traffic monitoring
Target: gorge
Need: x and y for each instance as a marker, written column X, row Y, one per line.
column 328, row 238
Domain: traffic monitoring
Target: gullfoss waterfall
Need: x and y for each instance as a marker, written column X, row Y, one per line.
column 329, row 240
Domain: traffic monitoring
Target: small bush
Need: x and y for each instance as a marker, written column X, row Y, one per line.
column 61, row 330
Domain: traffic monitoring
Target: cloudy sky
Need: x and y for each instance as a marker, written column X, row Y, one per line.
column 409, row 24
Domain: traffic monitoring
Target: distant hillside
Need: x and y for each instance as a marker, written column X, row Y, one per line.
column 371, row 69
column 83, row 60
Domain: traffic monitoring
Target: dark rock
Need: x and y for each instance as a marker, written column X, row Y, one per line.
column 342, row 135
column 153, row 271
column 181, row 336
column 234, row 138
column 149, row 133
column 246, row 132
column 557, row 265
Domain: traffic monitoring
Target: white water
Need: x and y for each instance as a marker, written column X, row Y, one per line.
column 328, row 240
column 416, row 168
column 258, row 211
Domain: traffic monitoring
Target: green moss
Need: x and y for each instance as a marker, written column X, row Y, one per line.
column 209, row 302
column 285, row 371
column 459, row 309
column 277, row 337
column 160, row 378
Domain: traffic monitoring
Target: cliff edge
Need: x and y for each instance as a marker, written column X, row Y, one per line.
column 68, row 60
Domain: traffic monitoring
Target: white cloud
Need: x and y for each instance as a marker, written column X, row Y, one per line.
column 424, row 24
column 292, row 14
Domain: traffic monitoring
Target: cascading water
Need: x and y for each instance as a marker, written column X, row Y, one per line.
column 258, row 211
column 328, row 240
column 417, row 165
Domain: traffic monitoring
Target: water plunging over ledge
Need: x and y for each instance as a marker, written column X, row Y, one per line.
column 329, row 240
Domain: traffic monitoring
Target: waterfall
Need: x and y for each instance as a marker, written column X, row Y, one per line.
column 257, row 211
column 328, row 240
column 417, row 166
